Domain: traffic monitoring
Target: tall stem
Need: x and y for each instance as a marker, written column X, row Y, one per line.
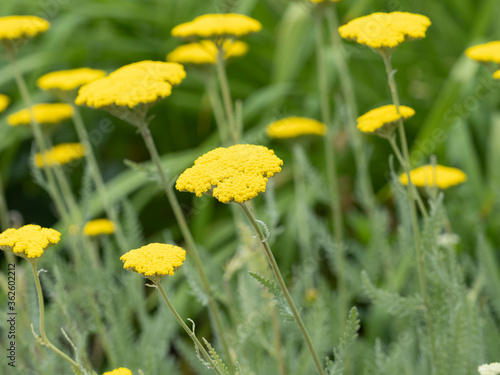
column 284, row 289
column 217, row 109
column 226, row 95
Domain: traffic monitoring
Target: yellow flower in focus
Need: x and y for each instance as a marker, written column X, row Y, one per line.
column 237, row 173
column 155, row 260
column 4, row 102
column 292, row 127
column 488, row 52
column 98, row 227
column 383, row 118
column 496, row 75
column 131, row 85
column 45, row 114
column 63, row 153
column 67, row 80
column 424, row 176
column 119, row 371
column 29, row 241
column 205, row 52
column 385, row 30
column 218, row 26
column 17, row 27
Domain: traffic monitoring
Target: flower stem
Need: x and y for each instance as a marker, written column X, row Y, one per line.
column 4, row 211
column 284, row 289
column 217, row 109
column 226, row 95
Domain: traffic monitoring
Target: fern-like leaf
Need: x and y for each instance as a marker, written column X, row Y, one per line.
column 278, row 296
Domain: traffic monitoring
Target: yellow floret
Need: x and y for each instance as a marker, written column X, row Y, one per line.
column 119, row 371
column 67, row 80
column 488, row 52
column 291, row 127
column 98, row 227
column 218, row 26
column 154, row 260
column 205, row 52
column 28, row 241
column 16, row 27
column 383, row 116
column 4, row 102
column 385, row 30
column 45, row 114
column 61, row 154
column 424, row 176
column 237, row 173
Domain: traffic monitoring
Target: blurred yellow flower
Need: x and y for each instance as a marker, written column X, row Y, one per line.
column 324, row 1
column 292, row 127
column 383, row 117
column 131, row 85
column 119, row 371
column 237, row 173
column 29, row 241
column 488, row 52
column 496, row 75
column 99, row 226
column 205, row 52
column 4, row 102
column 218, row 26
column 45, row 114
column 155, row 260
column 67, row 80
column 61, row 154
column 385, row 30
column 424, row 176
column 16, row 27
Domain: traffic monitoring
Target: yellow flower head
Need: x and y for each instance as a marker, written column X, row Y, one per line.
column 98, row 227
column 155, row 260
column 292, row 127
column 67, row 80
column 205, row 52
column 45, row 114
column 385, row 30
column 29, row 241
column 119, row 371
column 424, row 176
column 131, row 85
column 63, row 153
column 496, row 75
column 218, row 26
column 4, row 102
column 17, row 27
column 324, row 1
column 488, row 52
column 383, row 117
column 237, row 173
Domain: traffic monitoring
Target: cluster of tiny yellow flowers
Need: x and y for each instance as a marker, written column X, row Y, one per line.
column 217, row 26
column 385, row 30
column 98, row 227
column 205, row 52
column 17, row 27
column 45, row 114
column 496, row 75
column 154, row 260
column 119, row 371
column 63, row 153
column 292, row 127
column 424, row 176
column 237, row 173
column 4, row 102
column 67, row 80
column 30, row 240
column 386, row 115
column 131, row 85
column 488, row 52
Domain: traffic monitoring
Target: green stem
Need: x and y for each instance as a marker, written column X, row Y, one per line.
column 4, row 211
column 279, row 346
column 284, row 289
column 191, row 334
column 300, row 200
column 226, row 95
column 217, row 109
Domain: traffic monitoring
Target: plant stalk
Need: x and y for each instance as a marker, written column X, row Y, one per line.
column 226, row 95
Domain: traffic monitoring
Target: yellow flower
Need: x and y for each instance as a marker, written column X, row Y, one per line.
column 155, row 260
column 383, row 117
column 4, row 102
column 131, row 85
column 119, row 371
column 29, row 241
column 291, row 127
column 324, row 1
column 496, row 75
column 67, row 80
column 488, row 52
column 424, row 176
column 63, row 153
column 237, row 173
column 98, row 227
column 205, row 52
column 385, row 30
column 16, row 27
column 218, row 26
column 45, row 114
